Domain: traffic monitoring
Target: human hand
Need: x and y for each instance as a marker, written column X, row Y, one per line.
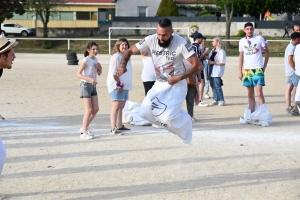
column 240, row 75
column 174, row 79
column 93, row 81
column 120, row 71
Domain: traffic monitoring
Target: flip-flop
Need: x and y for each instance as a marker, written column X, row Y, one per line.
column 2, row 117
column 294, row 112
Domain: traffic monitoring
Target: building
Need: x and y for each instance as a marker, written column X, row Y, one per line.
column 73, row 14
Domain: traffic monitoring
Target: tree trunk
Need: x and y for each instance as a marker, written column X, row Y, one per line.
column 228, row 25
column 45, row 30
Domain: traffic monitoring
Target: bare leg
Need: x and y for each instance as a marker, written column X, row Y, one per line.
column 95, row 109
column 295, row 109
column 201, row 89
column 251, row 99
column 114, row 113
column 88, row 111
column 120, row 113
column 288, row 90
column 260, row 95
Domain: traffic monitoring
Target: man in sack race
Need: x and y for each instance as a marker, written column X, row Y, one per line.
column 253, row 76
column 163, row 102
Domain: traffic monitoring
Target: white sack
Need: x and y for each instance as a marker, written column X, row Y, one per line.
column 162, row 106
column 2, row 155
column 130, row 114
column 261, row 116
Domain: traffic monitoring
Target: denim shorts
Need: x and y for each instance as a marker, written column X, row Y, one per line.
column 293, row 79
column 87, row 90
column 116, row 95
column 253, row 77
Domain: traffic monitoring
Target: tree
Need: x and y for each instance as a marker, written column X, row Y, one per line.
column 228, row 6
column 8, row 7
column 43, row 9
column 255, row 7
column 167, row 8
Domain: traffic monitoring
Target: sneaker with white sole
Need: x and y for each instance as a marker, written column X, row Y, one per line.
column 115, row 131
column 86, row 136
column 213, row 103
column 88, row 130
column 221, row 103
column 123, row 128
column 203, row 104
column 157, row 126
column 206, row 96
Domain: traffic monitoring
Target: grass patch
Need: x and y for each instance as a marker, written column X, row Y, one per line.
column 277, row 48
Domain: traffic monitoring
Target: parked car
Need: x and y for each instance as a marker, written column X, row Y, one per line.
column 15, row 29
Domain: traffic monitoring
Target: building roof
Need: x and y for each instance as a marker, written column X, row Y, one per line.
column 88, row 1
column 195, row 1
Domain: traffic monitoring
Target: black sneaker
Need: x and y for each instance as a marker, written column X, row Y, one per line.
column 123, row 128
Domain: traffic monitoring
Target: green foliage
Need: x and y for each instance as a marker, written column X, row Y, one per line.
column 8, row 7
column 255, row 7
column 167, row 8
column 43, row 9
column 47, row 44
column 137, row 31
column 241, row 33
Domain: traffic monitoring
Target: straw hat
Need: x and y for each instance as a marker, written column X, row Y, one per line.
column 6, row 44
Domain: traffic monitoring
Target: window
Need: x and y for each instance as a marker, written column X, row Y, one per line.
column 66, row 16
column 83, row 15
column 26, row 16
column 86, row 15
column 142, row 11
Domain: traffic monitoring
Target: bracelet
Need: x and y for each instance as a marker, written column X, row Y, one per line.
column 119, row 85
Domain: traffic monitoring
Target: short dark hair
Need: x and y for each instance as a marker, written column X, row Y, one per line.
column 295, row 35
column 164, row 23
column 248, row 24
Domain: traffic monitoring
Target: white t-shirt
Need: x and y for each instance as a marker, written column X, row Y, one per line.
column 148, row 73
column 167, row 61
column 126, row 78
column 252, row 51
column 90, row 69
column 297, row 59
column 218, row 70
column 289, row 51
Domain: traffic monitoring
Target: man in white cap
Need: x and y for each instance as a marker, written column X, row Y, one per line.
column 7, row 56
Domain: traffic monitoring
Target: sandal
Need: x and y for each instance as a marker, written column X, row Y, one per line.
column 294, row 112
column 2, row 117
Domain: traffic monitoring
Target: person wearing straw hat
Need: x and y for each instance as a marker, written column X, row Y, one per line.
column 7, row 56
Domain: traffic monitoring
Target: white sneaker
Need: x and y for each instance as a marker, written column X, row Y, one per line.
column 193, row 119
column 115, row 131
column 157, row 126
column 86, row 136
column 88, row 130
column 203, row 104
column 213, row 103
column 206, row 96
column 221, row 103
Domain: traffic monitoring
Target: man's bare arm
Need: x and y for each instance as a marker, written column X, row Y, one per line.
column 194, row 69
column 240, row 66
column 267, row 55
column 125, row 58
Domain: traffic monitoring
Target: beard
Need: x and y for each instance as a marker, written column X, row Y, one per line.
column 165, row 44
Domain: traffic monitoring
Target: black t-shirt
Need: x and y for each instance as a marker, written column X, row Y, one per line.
column 1, row 71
